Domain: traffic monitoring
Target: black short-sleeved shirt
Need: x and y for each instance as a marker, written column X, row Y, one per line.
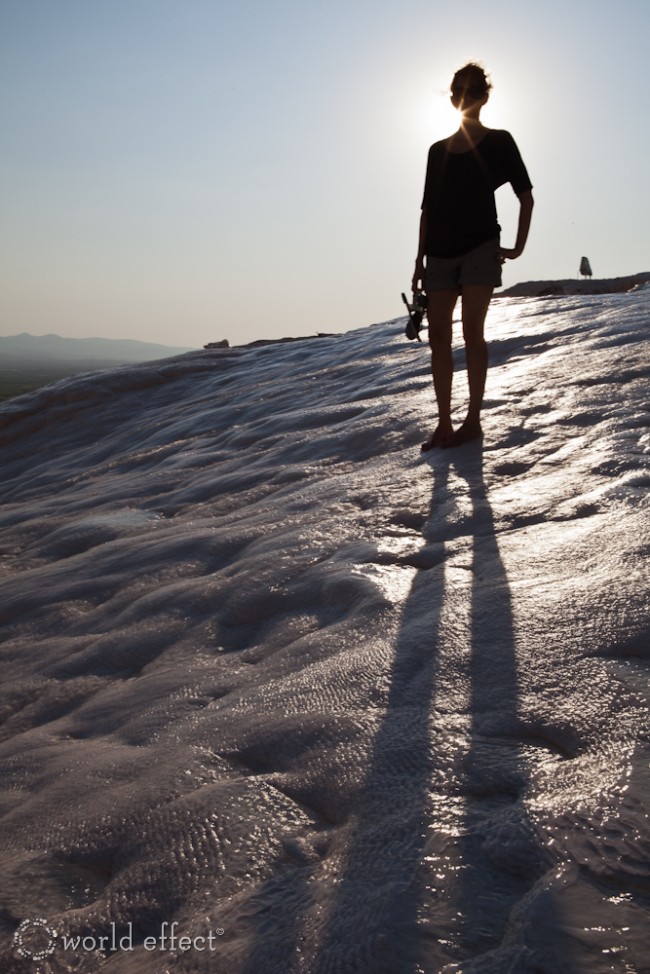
column 459, row 192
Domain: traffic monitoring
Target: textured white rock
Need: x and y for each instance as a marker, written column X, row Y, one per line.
column 266, row 670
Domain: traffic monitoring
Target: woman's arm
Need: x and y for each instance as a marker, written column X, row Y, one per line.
column 526, row 203
column 417, row 283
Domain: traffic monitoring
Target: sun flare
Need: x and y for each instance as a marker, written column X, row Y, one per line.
column 436, row 116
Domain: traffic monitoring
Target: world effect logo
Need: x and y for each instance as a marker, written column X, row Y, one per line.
column 36, row 940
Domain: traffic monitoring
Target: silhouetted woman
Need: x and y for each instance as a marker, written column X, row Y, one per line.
column 460, row 252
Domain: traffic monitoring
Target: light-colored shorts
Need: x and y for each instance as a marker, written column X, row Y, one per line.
column 478, row 266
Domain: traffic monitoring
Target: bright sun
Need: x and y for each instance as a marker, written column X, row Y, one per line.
column 435, row 117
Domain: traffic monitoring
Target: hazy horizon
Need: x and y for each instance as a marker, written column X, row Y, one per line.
column 402, row 313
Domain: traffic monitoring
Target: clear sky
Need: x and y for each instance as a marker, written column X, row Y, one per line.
column 182, row 171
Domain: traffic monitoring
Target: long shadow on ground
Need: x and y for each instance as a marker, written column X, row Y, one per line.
column 440, row 848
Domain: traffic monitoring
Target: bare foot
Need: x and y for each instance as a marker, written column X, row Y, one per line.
column 437, row 438
column 464, row 434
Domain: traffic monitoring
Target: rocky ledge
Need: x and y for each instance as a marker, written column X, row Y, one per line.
column 540, row 289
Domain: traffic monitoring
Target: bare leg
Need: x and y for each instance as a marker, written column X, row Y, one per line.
column 476, row 300
column 440, row 311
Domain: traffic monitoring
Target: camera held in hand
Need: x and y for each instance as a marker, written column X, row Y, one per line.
column 417, row 310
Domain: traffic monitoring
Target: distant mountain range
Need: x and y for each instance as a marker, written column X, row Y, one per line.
column 27, row 349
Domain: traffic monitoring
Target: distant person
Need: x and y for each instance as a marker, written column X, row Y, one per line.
column 459, row 250
column 585, row 267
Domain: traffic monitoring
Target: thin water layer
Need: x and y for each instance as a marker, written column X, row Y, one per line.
column 281, row 694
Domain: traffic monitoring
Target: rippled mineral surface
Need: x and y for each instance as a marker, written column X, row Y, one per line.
column 280, row 695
